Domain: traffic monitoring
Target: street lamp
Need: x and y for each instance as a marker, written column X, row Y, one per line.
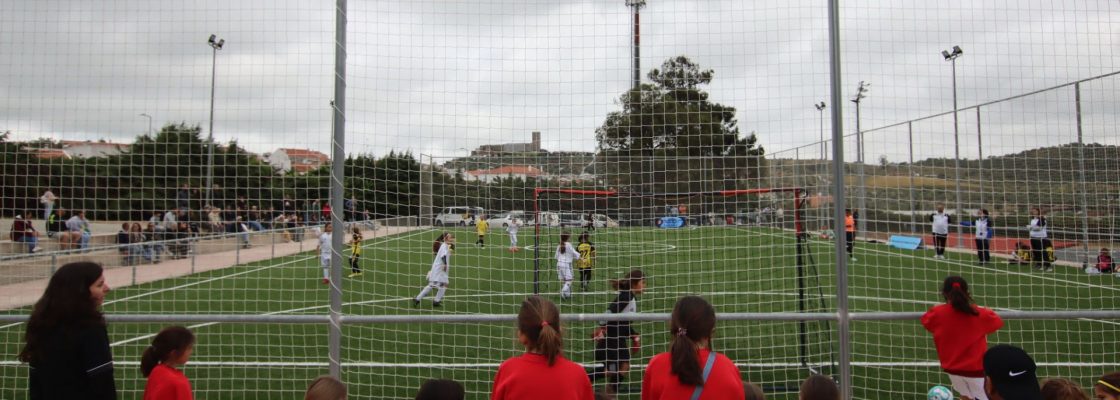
column 149, row 117
column 951, row 57
column 861, row 202
column 215, row 44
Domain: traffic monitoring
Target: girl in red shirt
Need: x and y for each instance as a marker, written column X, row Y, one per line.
column 171, row 347
column 542, row 373
column 679, row 374
column 960, row 332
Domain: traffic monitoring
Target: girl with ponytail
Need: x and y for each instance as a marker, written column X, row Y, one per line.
column 616, row 341
column 171, row 347
column 542, row 373
column 692, row 369
column 960, row 331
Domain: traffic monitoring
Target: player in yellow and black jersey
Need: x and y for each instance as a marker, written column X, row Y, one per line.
column 586, row 260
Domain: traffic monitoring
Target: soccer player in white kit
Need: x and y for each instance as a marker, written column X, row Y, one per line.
column 438, row 276
column 325, row 252
column 565, row 254
column 514, row 224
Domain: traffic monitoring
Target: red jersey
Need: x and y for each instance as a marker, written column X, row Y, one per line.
column 961, row 339
column 529, row 376
column 724, row 382
column 167, row 383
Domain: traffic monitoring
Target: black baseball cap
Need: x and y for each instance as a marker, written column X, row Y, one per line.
column 1012, row 372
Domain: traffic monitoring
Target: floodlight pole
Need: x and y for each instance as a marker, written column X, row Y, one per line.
column 149, row 117
column 215, row 44
column 636, row 79
column 824, row 147
column 861, row 200
column 952, row 58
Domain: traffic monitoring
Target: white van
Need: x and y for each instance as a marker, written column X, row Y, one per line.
column 461, row 216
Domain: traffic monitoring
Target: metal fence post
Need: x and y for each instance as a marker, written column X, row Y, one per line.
column 134, row 272
column 54, row 262
column 338, row 175
column 272, row 236
column 844, row 319
column 194, row 251
column 237, row 250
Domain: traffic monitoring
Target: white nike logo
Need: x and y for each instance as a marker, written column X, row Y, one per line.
column 1014, row 374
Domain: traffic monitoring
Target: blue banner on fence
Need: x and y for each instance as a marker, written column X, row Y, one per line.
column 905, row 242
column 670, row 222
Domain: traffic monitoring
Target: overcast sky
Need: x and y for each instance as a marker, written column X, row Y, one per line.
column 437, row 77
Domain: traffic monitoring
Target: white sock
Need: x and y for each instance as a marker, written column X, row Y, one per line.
column 439, row 293
column 427, row 289
column 566, row 291
column 326, row 273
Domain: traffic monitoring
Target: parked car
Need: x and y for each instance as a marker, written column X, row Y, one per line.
column 461, row 216
column 573, row 220
column 504, row 219
column 603, row 221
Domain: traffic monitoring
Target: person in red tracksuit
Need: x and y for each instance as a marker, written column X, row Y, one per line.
column 542, row 373
column 679, row 374
column 960, row 332
column 171, row 347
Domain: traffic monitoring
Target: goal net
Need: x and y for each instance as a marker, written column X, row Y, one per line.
column 746, row 250
column 704, row 142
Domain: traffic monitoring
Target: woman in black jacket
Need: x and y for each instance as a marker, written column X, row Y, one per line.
column 67, row 344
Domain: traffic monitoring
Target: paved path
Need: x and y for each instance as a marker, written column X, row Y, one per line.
column 26, row 293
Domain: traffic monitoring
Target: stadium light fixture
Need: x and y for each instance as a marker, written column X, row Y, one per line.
column 215, row 44
column 149, row 117
column 951, row 57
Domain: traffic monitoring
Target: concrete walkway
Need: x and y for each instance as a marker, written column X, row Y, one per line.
column 26, row 293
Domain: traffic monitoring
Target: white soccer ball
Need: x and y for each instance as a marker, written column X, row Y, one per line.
column 939, row 393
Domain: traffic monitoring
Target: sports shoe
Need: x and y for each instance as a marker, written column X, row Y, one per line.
column 1049, row 268
column 415, row 302
column 437, row 304
column 354, row 274
column 852, row 259
column 36, row 249
column 326, row 281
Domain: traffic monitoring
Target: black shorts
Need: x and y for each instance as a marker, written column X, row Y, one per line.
column 613, row 350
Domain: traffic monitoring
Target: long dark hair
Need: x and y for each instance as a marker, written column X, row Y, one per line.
column 170, row 339
column 439, row 241
column 441, row 389
column 564, row 238
column 955, row 291
column 65, row 302
column 539, row 320
column 819, row 387
column 630, row 280
column 1113, row 381
column 693, row 320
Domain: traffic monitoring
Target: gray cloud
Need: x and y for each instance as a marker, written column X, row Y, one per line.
column 436, row 76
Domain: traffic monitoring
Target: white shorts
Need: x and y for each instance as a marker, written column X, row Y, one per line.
column 971, row 387
column 437, row 276
column 564, row 271
column 325, row 262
